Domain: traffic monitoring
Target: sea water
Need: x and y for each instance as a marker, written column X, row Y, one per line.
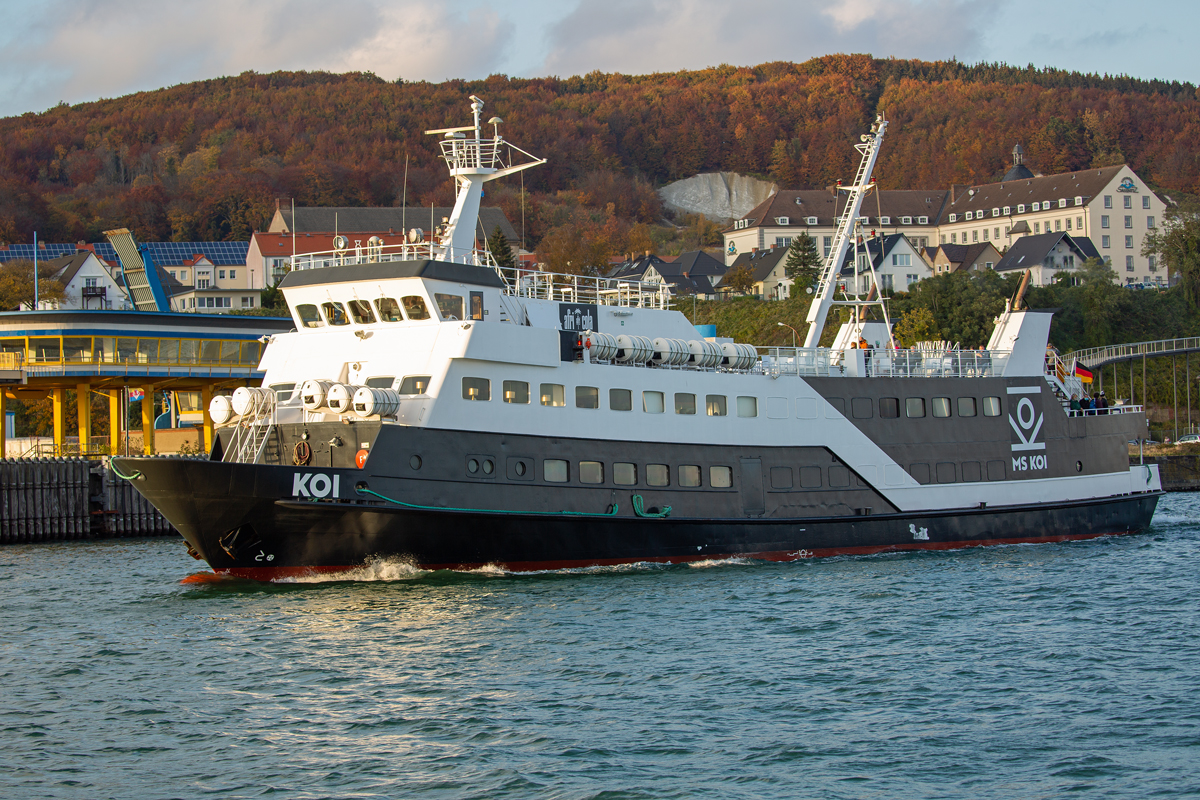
column 1030, row 671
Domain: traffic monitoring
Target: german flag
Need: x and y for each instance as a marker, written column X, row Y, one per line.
column 1083, row 373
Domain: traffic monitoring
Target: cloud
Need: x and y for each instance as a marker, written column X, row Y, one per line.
column 635, row 36
column 77, row 50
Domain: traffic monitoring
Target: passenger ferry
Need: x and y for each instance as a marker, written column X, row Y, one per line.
column 433, row 407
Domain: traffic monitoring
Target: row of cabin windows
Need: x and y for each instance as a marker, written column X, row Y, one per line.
column 556, row 470
column 916, row 407
column 554, row 394
column 411, row 307
column 623, row 473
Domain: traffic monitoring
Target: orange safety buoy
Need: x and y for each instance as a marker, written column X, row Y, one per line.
column 360, row 458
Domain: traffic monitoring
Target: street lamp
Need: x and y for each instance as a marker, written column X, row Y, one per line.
column 790, row 328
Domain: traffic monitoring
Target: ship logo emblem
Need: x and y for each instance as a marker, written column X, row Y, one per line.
column 1027, row 424
column 919, row 534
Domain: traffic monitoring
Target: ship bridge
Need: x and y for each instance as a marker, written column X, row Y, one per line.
column 46, row 353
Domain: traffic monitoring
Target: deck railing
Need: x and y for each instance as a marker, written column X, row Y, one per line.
column 823, row 362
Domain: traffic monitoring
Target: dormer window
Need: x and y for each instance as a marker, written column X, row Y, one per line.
column 1062, row 203
column 810, row 220
column 783, row 220
column 885, row 220
column 1007, row 210
column 922, row 220
column 741, row 224
column 995, row 212
column 1037, row 206
column 865, row 220
column 954, row 217
column 1078, row 200
column 970, row 215
column 1020, row 208
column 906, row 220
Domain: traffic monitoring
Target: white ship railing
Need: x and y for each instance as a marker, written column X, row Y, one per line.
column 518, row 281
column 823, row 362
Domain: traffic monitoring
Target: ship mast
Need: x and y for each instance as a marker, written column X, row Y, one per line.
column 473, row 162
column 823, row 297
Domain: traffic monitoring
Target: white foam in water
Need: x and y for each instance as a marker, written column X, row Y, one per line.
column 732, row 561
column 379, row 569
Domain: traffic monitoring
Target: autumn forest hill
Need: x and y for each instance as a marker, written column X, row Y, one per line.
column 208, row 160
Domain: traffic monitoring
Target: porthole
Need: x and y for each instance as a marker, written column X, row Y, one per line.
column 472, row 465
column 1079, row 466
column 488, row 466
column 519, row 468
column 415, row 462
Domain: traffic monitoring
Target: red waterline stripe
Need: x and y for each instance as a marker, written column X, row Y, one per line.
column 276, row 573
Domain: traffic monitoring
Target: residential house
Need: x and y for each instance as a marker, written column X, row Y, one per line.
column 947, row 258
column 692, row 273
column 768, row 269
column 896, row 260
column 774, row 222
column 88, row 283
column 1046, row 255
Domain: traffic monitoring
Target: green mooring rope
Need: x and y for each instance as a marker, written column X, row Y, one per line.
column 640, row 510
column 135, row 476
column 612, row 512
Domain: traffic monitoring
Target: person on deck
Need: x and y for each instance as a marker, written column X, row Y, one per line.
column 1075, row 407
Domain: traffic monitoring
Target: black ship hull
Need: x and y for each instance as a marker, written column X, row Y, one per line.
column 234, row 517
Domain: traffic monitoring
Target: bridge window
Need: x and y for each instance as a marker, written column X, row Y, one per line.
column 991, row 406
column 335, row 313
column 389, row 310
column 414, row 307
column 78, row 350
column 414, row 384
column 361, row 311
column 309, row 318
column 450, row 306
column 382, row 382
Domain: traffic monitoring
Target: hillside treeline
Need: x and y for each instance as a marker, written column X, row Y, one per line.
column 207, row 160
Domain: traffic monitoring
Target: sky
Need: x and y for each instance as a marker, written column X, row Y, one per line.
column 75, row 51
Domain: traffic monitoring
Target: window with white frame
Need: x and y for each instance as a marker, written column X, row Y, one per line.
column 1104, row 221
column 1128, row 242
column 922, row 220
column 901, row 259
column 1106, row 241
column 1146, row 201
column 1129, row 263
column 1108, row 201
column 1128, row 201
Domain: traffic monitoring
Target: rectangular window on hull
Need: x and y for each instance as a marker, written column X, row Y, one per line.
column 335, row 313
column 652, row 402
column 587, row 397
column 625, row 474
column 685, row 403
column 747, row 406
column 476, row 389
column 552, row 394
column 889, row 407
column 940, row 406
column 556, row 470
column 915, row 406
column 591, row 472
column 966, row 406
column 381, row 382
column 715, row 405
column 516, row 392
column 991, row 406
column 620, row 399
column 689, row 475
column 720, row 477
column 658, row 475
column 414, row 384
